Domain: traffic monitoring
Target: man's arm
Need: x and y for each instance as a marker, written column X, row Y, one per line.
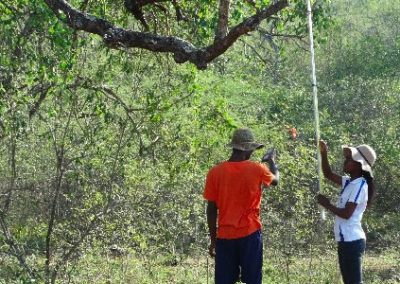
column 212, row 212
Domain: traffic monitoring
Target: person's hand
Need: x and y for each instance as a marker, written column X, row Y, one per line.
column 323, row 147
column 270, row 155
column 323, row 200
column 211, row 249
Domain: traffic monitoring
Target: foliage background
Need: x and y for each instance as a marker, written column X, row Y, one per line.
column 103, row 152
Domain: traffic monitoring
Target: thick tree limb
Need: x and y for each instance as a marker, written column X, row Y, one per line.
column 182, row 50
column 223, row 13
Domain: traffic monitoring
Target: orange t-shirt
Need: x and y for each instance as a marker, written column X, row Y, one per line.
column 235, row 187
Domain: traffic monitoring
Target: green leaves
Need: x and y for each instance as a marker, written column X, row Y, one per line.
column 133, row 134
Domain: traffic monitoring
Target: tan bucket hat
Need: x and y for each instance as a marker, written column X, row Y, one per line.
column 363, row 154
column 243, row 139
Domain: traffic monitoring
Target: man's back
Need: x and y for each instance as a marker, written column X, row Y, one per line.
column 235, row 187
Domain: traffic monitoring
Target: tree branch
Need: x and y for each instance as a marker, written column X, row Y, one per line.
column 135, row 7
column 60, row 171
column 271, row 34
column 42, row 90
column 264, row 60
column 222, row 28
column 248, row 25
column 182, row 50
column 2, row 128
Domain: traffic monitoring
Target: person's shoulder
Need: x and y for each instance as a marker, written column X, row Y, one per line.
column 258, row 165
column 363, row 182
column 359, row 181
column 217, row 167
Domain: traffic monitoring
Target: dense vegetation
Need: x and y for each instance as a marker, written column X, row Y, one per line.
column 104, row 150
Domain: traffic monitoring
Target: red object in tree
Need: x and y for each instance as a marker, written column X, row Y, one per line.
column 293, row 133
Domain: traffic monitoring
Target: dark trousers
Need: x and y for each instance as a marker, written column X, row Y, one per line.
column 350, row 258
column 239, row 259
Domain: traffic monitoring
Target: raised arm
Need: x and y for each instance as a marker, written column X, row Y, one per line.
column 326, row 168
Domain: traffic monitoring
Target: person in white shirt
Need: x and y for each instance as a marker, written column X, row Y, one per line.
column 357, row 192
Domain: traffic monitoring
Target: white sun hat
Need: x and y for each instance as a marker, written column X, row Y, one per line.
column 363, row 154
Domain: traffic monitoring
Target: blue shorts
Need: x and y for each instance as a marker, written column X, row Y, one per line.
column 239, row 259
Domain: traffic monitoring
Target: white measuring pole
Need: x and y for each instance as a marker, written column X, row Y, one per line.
column 315, row 98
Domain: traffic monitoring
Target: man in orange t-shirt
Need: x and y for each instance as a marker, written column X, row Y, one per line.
column 233, row 191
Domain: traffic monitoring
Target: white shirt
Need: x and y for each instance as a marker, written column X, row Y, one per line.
column 355, row 191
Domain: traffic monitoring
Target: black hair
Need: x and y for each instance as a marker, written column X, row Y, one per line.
column 371, row 187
